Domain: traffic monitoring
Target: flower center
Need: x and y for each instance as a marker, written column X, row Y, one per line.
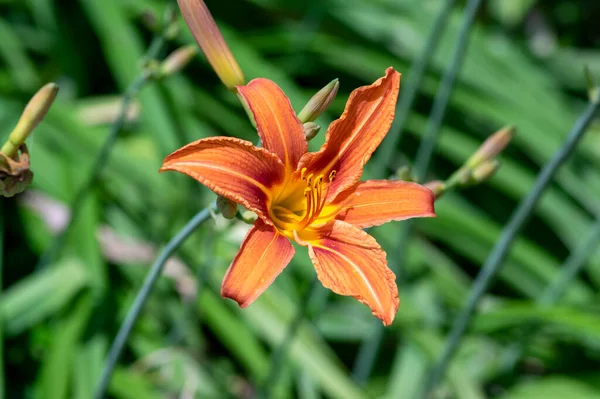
column 300, row 202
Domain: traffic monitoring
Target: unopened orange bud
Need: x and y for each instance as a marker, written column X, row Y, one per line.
column 491, row 147
column 319, row 102
column 177, row 60
column 209, row 38
column 310, row 130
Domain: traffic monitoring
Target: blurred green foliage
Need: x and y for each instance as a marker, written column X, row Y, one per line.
column 524, row 67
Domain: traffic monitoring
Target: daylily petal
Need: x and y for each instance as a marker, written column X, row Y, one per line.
column 351, row 140
column 375, row 202
column 350, row 262
column 278, row 127
column 230, row 167
column 263, row 255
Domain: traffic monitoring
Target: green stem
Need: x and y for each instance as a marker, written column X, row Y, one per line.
column 569, row 270
column 410, row 87
column 142, row 296
column 101, row 159
column 425, row 151
column 494, row 261
column 369, row 349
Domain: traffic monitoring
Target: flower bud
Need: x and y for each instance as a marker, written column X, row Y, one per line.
column 405, row 173
column 227, row 207
column 247, row 217
column 484, row 171
column 438, row 187
column 491, row 147
column 32, row 115
column 149, row 20
column 310, row 130
column 209, row 38
column 592, row 87
column 177, row 60
column 319, row 102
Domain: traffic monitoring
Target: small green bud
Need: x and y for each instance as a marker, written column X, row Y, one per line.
column 319, row 102
column 227, row 207
column 484, row 171
column 405, row 173
column 32, row 115
column 248, row 217
column 592, row 86
column 177, row 60
column 310, row 130
column 491, row 147
column 149, row 20
column 437, row 186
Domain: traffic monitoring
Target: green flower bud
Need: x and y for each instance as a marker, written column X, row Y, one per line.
column 227, row 207
column 310, row 130
column 319, row 102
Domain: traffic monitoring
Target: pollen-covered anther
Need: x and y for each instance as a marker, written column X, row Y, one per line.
column 332, row 175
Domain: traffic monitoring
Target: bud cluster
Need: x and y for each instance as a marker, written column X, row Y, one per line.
column 480, row 166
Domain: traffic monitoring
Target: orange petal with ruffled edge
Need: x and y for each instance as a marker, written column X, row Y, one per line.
column 350, row 262
column 278, row 127
column 263, row 255
column 351, row 140
column 230, row 167
column 375, row 202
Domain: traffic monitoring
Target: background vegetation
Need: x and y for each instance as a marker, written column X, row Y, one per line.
column 523, row 66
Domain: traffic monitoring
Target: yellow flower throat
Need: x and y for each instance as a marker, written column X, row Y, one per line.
column 299, row 203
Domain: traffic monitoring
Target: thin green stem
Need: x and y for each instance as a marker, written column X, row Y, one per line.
column 142, row 296
column 278, row 356
column 370, row 348
column 494, row 261
column 410, row 88
column 102, row 157
column 425, row 151
column 569, row 270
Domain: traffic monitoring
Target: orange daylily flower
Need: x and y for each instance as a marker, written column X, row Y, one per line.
column 314, row 199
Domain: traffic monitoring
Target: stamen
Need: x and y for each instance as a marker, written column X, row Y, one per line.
column 332, row 175
column 302, row 173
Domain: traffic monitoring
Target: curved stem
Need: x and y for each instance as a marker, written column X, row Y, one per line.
column 101, row 159
column 369, row 349
column 142, row 296
column 410, row 88
column 494, row 261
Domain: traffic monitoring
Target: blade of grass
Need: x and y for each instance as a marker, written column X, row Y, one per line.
column 494, row 261
column 369, row 349
column 142, row 296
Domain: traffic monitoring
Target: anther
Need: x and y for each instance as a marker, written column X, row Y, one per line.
column 331, row 175
column 302, row 173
